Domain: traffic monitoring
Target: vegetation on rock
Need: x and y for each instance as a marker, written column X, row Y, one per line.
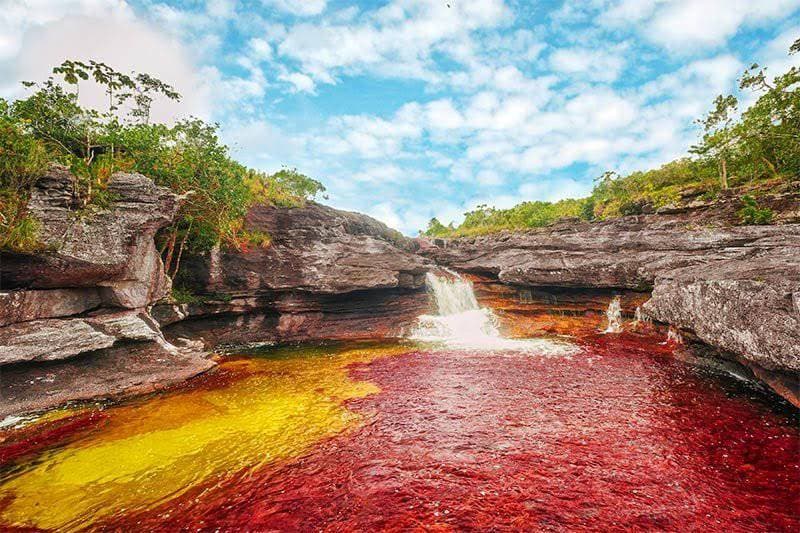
column 758, row 149
column 188, row 157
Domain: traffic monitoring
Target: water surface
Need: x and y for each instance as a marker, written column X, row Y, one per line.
column 614, row 436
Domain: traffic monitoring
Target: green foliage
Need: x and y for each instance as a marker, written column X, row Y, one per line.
column 257, row 238
column 752, row 214
column 437, row 229
column 188, row 157
column 182, row 295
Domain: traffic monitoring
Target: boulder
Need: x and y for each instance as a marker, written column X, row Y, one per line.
column 748, row 307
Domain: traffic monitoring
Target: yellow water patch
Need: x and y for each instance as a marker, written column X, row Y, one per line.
column 155, row 450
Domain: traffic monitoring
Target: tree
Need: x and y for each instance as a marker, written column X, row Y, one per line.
column 720, row 137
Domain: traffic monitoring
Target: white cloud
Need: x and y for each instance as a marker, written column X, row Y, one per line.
column 298, row 7
column 396, row 40
column 301, row 82
column 684, row 25
column 597, row 65
column 80, row 37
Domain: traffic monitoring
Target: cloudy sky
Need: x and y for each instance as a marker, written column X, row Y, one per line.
column 407, row 109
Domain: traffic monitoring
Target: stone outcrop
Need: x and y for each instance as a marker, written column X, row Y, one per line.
column 86, row 295
column 628, row 252
column 735, row 288
column 747, row 307
column 315, row 249
column 327, row 274
column 109, row 249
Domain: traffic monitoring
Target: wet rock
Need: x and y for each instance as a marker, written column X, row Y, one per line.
column 123, row 370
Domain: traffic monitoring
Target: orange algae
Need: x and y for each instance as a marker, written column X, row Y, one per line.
column 152, row 451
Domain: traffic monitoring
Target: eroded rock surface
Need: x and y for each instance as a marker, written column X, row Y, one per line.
column 736, row 288
column 624, row 253
column 327, row 274
column 749, row 307
column 74, row 316
column 315, row 249
column 110, row 248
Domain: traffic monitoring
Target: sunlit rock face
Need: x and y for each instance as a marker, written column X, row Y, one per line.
column 111, row 248
column 313, row 248
column 327, row 274
column 624, row 253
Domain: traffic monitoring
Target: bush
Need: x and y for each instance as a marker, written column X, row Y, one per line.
column 752, row 214
column 188, row 157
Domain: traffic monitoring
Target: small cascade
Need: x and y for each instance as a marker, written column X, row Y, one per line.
column 461, row 323
column 640, row 320
column 673, row 336
column 614, row 316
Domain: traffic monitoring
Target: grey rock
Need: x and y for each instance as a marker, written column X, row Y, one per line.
column 54, row 339
column 622, row 253
column 112, row 247
column 22, row 305
column 747, row 307
column 734, row 287
column 314, row 248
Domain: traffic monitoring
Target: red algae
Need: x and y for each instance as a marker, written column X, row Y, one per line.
column 620, row 437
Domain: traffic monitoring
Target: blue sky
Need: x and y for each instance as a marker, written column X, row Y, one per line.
column 407, row 109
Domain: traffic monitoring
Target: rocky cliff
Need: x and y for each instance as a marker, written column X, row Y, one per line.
column 86, row 294
column 736, row 288
column 327, row 274
column 81, row 317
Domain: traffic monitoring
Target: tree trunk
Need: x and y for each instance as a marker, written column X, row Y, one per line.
column 723, row 176
column 170, row 249
column 180, row 252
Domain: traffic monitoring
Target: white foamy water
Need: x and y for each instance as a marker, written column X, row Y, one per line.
column 461, row 323
column 614, row 316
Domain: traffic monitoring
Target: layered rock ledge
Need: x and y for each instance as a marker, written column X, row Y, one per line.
column 76, row 314
column 327, row 274
column 735, row 288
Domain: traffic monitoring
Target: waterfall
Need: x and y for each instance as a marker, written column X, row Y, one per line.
column 614, row 316
column 461, row 323
column 673, row 336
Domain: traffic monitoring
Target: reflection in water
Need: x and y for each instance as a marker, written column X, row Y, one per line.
column 620, row 435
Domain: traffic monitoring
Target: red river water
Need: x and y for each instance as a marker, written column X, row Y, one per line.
column 619, row 437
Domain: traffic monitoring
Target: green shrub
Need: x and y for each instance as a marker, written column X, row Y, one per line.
column 752, row 214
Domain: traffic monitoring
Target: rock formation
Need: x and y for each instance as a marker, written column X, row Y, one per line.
column 736, row 288
column 327, row 274
column 87, row 291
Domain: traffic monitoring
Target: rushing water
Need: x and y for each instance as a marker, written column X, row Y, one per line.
column 460, row 323
column 611, row 434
